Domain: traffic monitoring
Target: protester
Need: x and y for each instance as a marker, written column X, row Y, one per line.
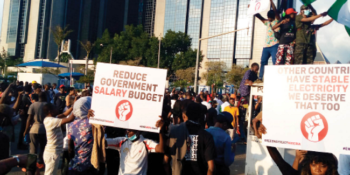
column 191, row 148
column 248, row 79
column 305, row 49
column 287, row 32
column 133, row 142
column 224, row 104
column 24, row 106
column 204, row 101
column 177, row 110
column 60, row 99
column 187, row 101
column 219, row 103
column 54, row 146
column 37, row 132
column 233, row 110
column 203, row 111
column 54, row 88
column 70, row 97
column 271, row 42
column 48, row 93
column 225, row 156
column 16, row 161
column 80, row 131
column 212, row 113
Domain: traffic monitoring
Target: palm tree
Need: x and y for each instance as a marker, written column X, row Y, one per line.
column 59, row 35
column 88, row 46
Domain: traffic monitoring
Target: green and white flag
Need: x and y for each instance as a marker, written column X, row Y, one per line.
column 307, row 2
column 340, row 11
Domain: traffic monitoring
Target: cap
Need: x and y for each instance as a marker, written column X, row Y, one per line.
column 62, row 86
column 303, row 7
column 291, row 11
column 233, row 96
column 33, row 82
column 225, row 117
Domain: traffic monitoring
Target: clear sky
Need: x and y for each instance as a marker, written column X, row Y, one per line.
column 332, row 39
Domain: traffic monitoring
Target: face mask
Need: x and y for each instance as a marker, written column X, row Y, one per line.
column 307, row 12
column 132, row 138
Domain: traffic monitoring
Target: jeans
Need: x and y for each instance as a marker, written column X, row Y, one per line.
column 266, row 54
column 23, row 127
column 37, row 145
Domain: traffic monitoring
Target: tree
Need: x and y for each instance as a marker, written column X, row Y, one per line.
column 88, row 46
column 186, row 74
column 65, row 57
column 235, row 75
column 59, row 35
column 215, row 73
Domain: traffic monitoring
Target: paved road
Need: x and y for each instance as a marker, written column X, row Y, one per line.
column 237, row 168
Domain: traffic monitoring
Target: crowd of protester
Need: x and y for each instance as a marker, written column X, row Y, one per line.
column 198, row 132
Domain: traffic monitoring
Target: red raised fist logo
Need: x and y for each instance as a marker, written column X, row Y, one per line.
column 257, row 6
column 124, row 110
column 314, row 127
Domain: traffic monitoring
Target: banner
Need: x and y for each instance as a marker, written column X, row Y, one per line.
column 258, row 6
column 128, row 97
column 307, row 107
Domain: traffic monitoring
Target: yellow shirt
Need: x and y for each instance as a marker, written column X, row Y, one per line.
column 234, row 111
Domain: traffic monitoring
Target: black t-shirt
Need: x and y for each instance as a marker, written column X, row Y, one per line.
column 60, row 101
column 25, row 103
column 212, row 114
column 186, row 102
column 200, row 149
column 204, row 111
column 288, row 32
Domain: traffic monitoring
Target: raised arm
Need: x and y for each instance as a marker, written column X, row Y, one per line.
column 262, row 19
column 6, row 93
column 280, row 23
column 68, row 120
column 277, row 15
column 313, row 18
column 313, row 11
column 66, row 113
column 283, row 166
column 16, row 105
column 326, row 23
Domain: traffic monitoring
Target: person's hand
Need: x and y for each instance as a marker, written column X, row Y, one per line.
column 262, row 129
column 91, row 113
column 24, row 134
column 285, row 21
column 248, row 5
column 20, row 93
column 300, row 154
column 313, row 126
column 324, row 14
column 160, row 122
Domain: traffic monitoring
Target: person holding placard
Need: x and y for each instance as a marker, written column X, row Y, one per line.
column 271, row 41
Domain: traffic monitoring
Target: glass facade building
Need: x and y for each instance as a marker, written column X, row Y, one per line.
column 222, row 19
column 149, row 14
column 184, row 16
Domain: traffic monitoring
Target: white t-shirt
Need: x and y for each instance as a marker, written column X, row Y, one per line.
column 53, row 134
column 206, row 104
column 344, row 164
column 224, row 105
column 219, row 104
column 133, row 155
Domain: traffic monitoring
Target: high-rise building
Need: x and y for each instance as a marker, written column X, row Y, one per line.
column 26, row 23
column 205, row 18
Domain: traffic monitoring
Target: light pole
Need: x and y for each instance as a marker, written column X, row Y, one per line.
column 197, row 59
column 160, row 42
column 111, row 53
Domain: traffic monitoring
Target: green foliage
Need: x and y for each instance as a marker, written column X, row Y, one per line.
column 6, row 61
column 65, row 57
column 215, row 74
column 86, row 79
column 135, row 47
column 59, row 34
column 186, row 74
column 181, row 83
column 235, row 75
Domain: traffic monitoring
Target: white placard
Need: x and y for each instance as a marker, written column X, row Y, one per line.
column 258, row 6
column 307, row 107
column 128, row 97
